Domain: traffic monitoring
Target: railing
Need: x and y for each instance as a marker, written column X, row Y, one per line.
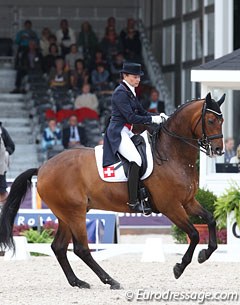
column 154, row 70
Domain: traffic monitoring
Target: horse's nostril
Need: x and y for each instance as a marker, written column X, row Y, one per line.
column 218, row 151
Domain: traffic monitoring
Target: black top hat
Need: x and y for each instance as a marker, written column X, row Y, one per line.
column 132, row 68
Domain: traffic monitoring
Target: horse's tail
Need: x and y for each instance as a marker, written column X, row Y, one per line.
column 12, row 205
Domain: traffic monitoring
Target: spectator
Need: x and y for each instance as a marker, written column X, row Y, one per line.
column 110, row 45
column 73, row 135
column 44, row 41
column 111, row 24
column 98, row 59
column 87, row 41
column 52, row 39
column 236, row 158
column 116, row 68
column 7, row 147
column 25, row 35
column 79, row 76
column 229, row 150
column 65, row 37
column 87, row 99
column 58, row 77
column 130, row 25
column 31, row 62
column 100, row 78
column 154, row 104
column 132, row 47
column 71, row 57
column 49, row 60
column 52, row 136
column 22, row 40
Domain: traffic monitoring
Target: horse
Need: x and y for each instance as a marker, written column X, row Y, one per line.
column 70, row 185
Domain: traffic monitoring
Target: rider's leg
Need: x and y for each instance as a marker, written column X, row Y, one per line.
column 129, row 151
column 133, row 181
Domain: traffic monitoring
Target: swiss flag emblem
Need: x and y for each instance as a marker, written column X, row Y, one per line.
column 108, row 172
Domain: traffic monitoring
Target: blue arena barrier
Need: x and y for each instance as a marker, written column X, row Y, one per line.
column 101, row 227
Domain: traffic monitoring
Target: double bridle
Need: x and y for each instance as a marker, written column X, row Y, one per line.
column 204, row 143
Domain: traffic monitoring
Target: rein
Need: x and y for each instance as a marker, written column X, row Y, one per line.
column 203, row 144
column 184, row 139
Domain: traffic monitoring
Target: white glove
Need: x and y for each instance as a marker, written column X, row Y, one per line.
column 163, row 116
column 157, row 119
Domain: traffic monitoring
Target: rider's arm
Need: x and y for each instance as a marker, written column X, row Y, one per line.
column 122, row 104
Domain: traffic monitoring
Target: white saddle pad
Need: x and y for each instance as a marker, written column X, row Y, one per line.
column 109, row 173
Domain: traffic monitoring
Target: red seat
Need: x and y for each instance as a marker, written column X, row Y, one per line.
column 86, row 113
column 50, row 114
column 82, row 114
column 64, row 114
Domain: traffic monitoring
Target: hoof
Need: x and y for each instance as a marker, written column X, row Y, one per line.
column 116, row 286
column 177, row 271
column 80, row 284
column 202, row 256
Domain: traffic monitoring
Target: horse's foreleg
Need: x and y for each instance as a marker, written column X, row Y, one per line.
column 204, row 254
column 196, row 209
column 59, row 247
column 81, row 249
column 180, row 219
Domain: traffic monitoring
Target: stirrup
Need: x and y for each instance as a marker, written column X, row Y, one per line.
column 140, row 207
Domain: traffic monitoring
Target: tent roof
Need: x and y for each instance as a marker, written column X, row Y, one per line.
column 230, row 61
column 221, row 72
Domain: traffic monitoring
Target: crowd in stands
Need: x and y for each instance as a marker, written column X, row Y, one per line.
column 72, row 75
column 230, row 151
column 231, row 156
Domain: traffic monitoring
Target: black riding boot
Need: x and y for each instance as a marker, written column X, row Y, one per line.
column 133, row 181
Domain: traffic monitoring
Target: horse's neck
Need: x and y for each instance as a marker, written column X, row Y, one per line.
column 180, row 125
column 181, row 122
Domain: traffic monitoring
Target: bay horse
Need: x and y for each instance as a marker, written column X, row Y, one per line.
column 70, row 185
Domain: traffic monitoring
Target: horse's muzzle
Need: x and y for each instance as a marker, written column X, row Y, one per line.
column 219, row 151
column 213, row 151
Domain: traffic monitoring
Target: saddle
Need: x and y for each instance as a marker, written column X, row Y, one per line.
column 118, row 172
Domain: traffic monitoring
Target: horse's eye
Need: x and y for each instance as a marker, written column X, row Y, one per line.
column 210, row 121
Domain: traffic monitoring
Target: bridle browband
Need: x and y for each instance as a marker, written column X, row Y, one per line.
column 204, row 143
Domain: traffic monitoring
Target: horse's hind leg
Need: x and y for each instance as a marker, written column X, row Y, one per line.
column 81, row 249
column 180, row 219
column 59, row 247
column 197, row 210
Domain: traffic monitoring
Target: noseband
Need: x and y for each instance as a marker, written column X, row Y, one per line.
column 204, row 143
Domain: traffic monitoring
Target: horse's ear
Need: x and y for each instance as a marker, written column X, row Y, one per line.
column 208, row 99
column 222, row 99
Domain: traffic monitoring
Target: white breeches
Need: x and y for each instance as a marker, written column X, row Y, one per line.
column 127, row 148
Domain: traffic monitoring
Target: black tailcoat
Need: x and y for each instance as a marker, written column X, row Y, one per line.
column 126, row 109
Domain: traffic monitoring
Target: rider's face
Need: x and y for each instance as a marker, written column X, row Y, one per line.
column 133, row 80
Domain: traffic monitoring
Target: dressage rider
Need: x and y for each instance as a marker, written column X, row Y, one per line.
column 127, row 110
